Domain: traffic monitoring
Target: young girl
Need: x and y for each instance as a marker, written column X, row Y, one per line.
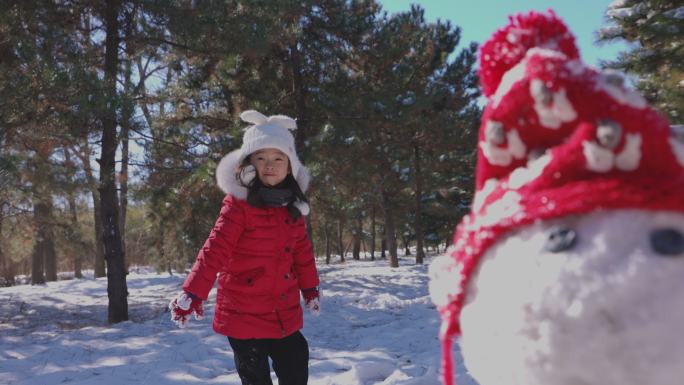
column 261, row 251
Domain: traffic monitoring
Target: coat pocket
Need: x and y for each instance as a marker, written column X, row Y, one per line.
column 247, row 277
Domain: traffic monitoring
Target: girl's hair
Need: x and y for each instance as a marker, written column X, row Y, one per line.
column 253, row 186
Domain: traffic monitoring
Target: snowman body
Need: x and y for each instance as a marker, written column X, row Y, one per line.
column 591, row 299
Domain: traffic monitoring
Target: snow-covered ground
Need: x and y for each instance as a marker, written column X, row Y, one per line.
column 377, row 326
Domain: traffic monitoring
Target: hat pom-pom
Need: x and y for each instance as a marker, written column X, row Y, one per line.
column 509, row 45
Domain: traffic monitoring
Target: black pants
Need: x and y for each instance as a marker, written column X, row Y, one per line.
column 290, row 357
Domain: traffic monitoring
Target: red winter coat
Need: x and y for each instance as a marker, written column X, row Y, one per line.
column 263, row 258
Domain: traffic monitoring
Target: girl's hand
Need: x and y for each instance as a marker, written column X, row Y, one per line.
column 183, row 306
column 312, row 300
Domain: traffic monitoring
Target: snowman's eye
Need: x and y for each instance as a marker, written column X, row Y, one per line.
column 560, row 239
column 668, row 242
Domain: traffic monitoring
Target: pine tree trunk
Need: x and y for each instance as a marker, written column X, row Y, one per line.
column 84, row 156
column 372, row 242
column 98, row 262
column 383, row 247
column 418, row 226
column 340, row 245
column 46, row 237
column 300, row 93
column 78, row 267
column 349, row 245
column 159, row 243
column 50, row 253
column 126, row 124
column 74, row 235
column 99, row 266
column 356, row 240
column 390, row 230
column 73, row 232
column 42, row 242
column 327, row 243
column 123, row 183
column 6, row 264
column 114, row 256
column 3, row 262
column 37, row 263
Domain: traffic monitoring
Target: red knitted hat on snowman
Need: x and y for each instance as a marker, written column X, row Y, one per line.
column 557, row 138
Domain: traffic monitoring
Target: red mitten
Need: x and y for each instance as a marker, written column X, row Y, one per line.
column 312, row 300
column 182, row 306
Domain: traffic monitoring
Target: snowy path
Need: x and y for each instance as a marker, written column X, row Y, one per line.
column 377, row 326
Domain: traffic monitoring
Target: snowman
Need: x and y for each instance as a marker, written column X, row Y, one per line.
column 569, row 269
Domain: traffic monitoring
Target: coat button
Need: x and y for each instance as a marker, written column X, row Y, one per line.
column 287, row 221
column 282, row 296
column 287, row 249
column 287, row 276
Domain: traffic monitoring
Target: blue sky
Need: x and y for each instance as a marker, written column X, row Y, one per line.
column 478, row 19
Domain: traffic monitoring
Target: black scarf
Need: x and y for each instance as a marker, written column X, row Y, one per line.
column 273, row 196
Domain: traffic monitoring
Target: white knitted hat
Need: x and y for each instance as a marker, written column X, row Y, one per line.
column 265, row 132
column 269, row 132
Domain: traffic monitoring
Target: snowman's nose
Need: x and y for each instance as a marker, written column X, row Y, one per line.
column 669, row 242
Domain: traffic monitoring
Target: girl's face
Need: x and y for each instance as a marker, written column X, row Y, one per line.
column 272, row 165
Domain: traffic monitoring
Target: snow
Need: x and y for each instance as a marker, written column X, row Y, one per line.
column 621, row 13
column 624, row 11
column 377, row 326
column 676, row 13
column 610, row 32
column 617, row 4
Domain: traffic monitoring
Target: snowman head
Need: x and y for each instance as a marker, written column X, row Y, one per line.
column 585, row 299
column 614, row 157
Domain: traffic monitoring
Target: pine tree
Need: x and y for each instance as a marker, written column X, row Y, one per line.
column 656, row 57
column 44, row 80
column 404, row 114
column 9, row 181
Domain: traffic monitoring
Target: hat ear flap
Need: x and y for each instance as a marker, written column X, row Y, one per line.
column 254, row 117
